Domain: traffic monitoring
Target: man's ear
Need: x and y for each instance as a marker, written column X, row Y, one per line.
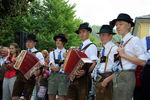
column 129, row 25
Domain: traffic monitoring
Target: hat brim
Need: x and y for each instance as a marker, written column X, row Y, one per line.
column 63, row 38
column 89, row 29
column 113, row 22
column 32, row 40
column 106, row 32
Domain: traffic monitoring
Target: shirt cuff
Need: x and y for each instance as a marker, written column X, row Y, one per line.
column 93, row 58
column 143, row 57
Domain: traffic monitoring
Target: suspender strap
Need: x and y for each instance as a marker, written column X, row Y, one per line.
column 35, row 52
column 86, row 46
column 127, row 42
column 107, row 59
column 54, row 55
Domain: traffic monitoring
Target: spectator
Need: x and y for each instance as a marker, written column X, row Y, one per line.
column 10, row 74
column 3, row 54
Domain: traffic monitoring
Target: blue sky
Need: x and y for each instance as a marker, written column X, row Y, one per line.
column 98, row 12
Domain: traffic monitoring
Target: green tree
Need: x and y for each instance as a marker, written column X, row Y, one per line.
column 13, row 7
column 45, row 20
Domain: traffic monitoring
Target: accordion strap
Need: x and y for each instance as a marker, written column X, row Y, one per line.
column 124, row 46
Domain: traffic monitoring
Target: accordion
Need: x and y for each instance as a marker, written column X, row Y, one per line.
column 76, row 60
column 27, row 63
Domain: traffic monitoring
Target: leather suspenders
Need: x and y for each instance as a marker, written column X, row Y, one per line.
column 107, row 59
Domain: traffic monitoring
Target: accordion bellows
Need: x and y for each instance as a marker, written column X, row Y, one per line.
column 75, row 61
column 27, row 63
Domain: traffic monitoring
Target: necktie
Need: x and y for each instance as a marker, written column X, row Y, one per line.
column 80, row 48
column 59, row 56
column 121, row 43
column 30, row 51
column 103, row 51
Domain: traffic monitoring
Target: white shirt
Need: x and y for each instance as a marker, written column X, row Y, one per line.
column 110, row 63
column 133, row 48
column 38, row 55
column 57, row 51
column 147, row 53
column 91, row 51
column 2, row 60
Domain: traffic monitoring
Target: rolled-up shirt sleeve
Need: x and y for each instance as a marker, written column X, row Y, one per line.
column 92, row 52
column 40, row 57
column 139, row 49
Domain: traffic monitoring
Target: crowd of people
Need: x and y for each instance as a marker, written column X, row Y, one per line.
column 119, row 72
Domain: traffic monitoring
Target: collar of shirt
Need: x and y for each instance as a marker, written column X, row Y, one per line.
column 33, row 49
column 86, row 42
column 62, row 50
column 127, row 37
column 108, row 44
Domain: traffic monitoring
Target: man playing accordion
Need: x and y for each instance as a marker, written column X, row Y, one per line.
column 79, row 87
column 23, row 85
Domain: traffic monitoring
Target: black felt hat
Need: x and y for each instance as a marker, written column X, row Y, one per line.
column 62, row 36
column 122, row 17
column 32, row 37
column 106, row 29
column 84, row 26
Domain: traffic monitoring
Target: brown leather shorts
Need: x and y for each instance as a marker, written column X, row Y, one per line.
column 23, row 85
column 79, row 88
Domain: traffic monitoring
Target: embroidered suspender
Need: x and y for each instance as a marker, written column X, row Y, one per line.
column 107, row 59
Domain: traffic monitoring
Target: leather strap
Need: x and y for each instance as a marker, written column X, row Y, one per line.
column 124, row 46
column 107, row 59
column 86, row 46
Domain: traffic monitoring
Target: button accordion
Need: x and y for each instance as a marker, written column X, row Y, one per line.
column 75, row 61
column 27, row 63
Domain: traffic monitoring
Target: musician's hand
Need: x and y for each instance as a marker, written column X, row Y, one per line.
column 121, row 51
column 65, row 54
column 57, row 68
column 80, row 73
column 105, row 82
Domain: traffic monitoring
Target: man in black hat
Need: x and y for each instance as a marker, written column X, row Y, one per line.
column 131, row 55
column 78, row 90
column 58, row 81
column 103, row 71
column 22, row 84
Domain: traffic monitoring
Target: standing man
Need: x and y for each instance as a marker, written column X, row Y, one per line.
column 4, row 53
column 104, row 85
column 79, row 88
column 22, row 84
column 58, row 81
column 146, row 70
column 131, row 55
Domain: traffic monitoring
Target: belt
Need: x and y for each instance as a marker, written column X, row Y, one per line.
column 105, row 75
column 100, row 77
column 130, row 70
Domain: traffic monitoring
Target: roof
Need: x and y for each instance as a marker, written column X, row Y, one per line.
column 143, row 17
